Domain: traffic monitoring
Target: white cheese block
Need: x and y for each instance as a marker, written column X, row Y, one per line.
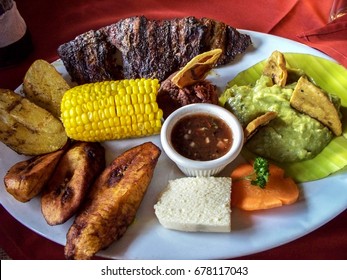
column 196, row 204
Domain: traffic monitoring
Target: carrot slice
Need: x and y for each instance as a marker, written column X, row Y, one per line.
column 279, row 190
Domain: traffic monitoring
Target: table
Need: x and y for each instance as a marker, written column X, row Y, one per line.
column 54, row 22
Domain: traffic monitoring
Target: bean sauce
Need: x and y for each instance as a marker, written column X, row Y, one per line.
column 201, row 137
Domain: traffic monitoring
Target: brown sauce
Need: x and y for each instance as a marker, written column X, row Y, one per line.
column 201, row 137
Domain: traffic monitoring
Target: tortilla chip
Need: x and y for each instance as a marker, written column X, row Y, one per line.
column 311, row 100
column 276, row 69
column 258, row 122
column 196, row 69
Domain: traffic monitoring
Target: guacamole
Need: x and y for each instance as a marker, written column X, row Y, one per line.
column 290, row 137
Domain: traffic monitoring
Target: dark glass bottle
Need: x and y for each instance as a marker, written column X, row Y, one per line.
column 15, row 40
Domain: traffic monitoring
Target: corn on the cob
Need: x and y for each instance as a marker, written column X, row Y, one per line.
column 112, row 110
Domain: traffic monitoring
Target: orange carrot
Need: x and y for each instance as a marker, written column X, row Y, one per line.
column 279, row 190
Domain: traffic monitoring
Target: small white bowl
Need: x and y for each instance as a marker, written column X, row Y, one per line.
column 196, row 167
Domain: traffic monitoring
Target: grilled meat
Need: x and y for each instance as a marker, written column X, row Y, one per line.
column 148, row 48
column 171, row 97
column 90, row 57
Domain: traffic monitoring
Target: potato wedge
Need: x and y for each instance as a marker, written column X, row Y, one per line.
column 45, row 86
column 113, row 202
column 311, row 100
column 70, row 182
column 27, row 178
column 27, row 128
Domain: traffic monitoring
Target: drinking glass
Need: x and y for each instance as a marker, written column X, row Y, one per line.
column 338, row 9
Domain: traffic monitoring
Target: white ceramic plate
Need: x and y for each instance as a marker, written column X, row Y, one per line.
column 320, row 201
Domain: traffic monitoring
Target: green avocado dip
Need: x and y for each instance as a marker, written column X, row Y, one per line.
column 290, row 137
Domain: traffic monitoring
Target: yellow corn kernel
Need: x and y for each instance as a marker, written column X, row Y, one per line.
column 127, row 99
column 159, row 115
column 112, row 110
column 139, row 118
column 155, row 106
column 95, row 126
column 142, row 108
column 133, row 119
column 135, row 89
column 146, row 98
column 137, row 109
column 72, row 112
column 95, row 105
column 134, row 99
column 148, row 125
column 101, row 114
column 130, row 109
column 124, row 110
column 140, row 98
column 107, row 113
column 151, row 116
column 90, row 107
column 116, row 121
column 142, row 89
column 84, row 118
column 127, row 120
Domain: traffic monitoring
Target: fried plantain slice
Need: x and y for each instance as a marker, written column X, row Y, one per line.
column 311, row 100
column 27, row 178
column 276, row 68
column 258, row 122
column 68, row 186
column 113, row 202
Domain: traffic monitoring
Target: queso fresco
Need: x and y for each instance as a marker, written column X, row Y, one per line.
column 290, row 137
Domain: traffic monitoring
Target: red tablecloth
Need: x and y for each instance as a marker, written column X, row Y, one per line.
column 55, row 22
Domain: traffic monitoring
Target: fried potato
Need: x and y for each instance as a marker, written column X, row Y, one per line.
column 311, row 100
column 112, row 203
column 45, row 86
column 27, row 128
column 26, row 179
column 258, row 122
column 70, row 182
column 276, row 68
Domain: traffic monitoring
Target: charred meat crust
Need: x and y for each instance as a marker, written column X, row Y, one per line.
column 112, row 203
column 90, row 57
column 148, row 48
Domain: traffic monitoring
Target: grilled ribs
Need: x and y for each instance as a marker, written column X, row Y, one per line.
column 148, row 48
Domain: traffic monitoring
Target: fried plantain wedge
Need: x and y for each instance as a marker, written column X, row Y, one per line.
column 45, row 86
column 113, row 202
column 27, row 128
column 71, row 180
column 27, row 178
column 311, row 100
